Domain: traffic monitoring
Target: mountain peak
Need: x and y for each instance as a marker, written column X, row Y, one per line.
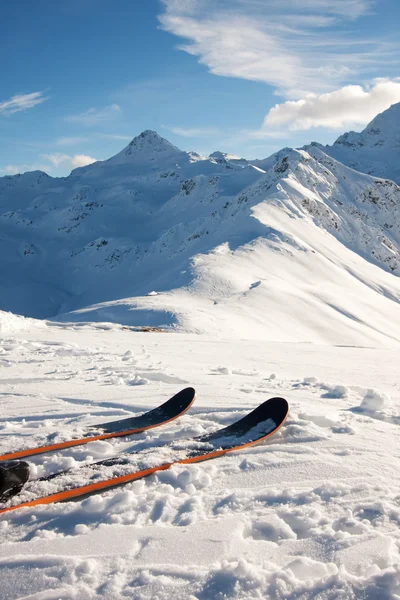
column 386, row 123
column 224, row 156
column 148, row 146
column 148, row 136
column 147, row 141
column 375, row 150
column 382, row 131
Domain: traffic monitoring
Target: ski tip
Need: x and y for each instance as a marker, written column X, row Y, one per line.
column 185, row 396
column 184, row 399
column 13, row 476
column 275, row 408
column 277, row 405
column 189, row 392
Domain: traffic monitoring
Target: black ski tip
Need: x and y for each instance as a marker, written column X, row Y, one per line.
column 274, row 411
column 171, row 409
column 13, row 476
column 275, row 408
column 182, row 399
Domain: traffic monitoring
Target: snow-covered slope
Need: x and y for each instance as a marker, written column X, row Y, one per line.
column 297, row 247
column 376, row 150
column 290, row 265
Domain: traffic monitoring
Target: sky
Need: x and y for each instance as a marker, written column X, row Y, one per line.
column 81, row 78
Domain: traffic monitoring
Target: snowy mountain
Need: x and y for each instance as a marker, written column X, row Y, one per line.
column 376, row 150
column 297, row 247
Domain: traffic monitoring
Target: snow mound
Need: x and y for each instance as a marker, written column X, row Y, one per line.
column 374, row 401
column 10, row 323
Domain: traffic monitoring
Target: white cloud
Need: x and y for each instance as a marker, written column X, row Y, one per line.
column 21, row 102
column 58, row 159
column 94, row 116
column 350, row 105
column 296, row 47
column 81, row 160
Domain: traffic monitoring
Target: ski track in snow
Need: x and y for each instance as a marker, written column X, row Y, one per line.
column 312, row 513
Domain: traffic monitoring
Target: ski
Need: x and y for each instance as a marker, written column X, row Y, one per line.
column 257, row 426
column 170, row 410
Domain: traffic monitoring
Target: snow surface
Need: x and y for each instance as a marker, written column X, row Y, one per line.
column 312, row 513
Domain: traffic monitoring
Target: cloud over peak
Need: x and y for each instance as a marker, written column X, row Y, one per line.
column 58, row 159
column 350, row 105
column 96, row 116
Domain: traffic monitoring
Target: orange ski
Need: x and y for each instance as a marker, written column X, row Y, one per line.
column 170, row 410
column 255, row 427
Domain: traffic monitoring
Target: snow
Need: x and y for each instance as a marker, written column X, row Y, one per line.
column 374, row 401
column 10, row 323
column 312, row 512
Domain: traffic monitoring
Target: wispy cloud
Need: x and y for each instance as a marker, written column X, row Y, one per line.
column 193, row 132
column 261, row 134
column 57, row 159
column 296, row 47
column 71, row 140
column 350, row 9
column 21, row 102
column 79, row 139
column 115, row 136
column 350, row 105
column 230, row 137
column 96, row 116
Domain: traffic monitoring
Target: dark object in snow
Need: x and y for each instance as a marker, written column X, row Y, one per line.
column 13, row 476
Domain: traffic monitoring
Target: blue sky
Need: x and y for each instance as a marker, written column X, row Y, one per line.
column 81, row 78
